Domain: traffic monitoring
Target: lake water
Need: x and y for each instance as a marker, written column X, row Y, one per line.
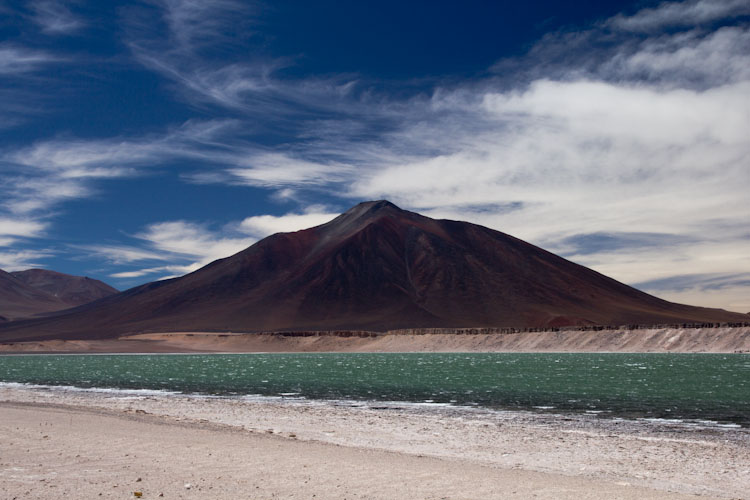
column 711, row 387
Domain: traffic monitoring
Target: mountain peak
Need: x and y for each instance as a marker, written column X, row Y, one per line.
column 379, row 204
column 372, row 208
column 361, row 215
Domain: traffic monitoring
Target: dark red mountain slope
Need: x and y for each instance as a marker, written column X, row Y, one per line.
column 374, row 267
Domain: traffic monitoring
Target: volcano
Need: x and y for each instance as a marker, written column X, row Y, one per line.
column 375, row 267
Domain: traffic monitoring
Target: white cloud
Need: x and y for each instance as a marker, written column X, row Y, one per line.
column 165, row 272
column 192, row 240
column 592, row 141
column 24, row 228
column 135, row 274
column 264, row 225
column 31, row 195
column 17, row 231
column 274, row 169
column 680, row 14
column 21, row 259
column 592, row 110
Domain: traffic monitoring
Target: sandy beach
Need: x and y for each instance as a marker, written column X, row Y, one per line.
column 59, row 443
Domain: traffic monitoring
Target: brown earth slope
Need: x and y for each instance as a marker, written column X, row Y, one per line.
column 73, row 290
column 375, row 267
column 36, row 292
column 19, row 300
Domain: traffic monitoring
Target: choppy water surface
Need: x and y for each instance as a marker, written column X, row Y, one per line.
column 712, row 387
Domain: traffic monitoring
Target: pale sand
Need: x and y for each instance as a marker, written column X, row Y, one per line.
column 56, row 444
column 725, row 339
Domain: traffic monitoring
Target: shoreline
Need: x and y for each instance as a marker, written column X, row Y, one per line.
column 599, row 455
column 597, row 418
column 727, row 340
column 296, row 399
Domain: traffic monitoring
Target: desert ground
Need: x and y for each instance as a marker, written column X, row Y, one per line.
column 78, row 444
column 723, row 339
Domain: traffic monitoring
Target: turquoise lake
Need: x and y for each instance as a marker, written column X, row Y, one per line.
column 713, row 387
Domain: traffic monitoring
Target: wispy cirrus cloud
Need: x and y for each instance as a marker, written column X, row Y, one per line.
column 55, row 18
column 93, row 158
column 193, row 25
column 17, row 60
column 692, row 59
column 276, row 169
column 680, row 14
column 43, row 175
column 22, row 71
column 183, row 45
column 38, row 177
column 14, row 232
column 36, row 180
column 172, row 37
column 19, row 260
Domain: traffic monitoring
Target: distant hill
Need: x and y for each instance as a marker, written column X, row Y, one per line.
column 18, row 300
column 39, row 291
column 73, row 290
column 375, row 267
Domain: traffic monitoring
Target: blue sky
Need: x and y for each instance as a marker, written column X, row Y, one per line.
column 144, row 139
